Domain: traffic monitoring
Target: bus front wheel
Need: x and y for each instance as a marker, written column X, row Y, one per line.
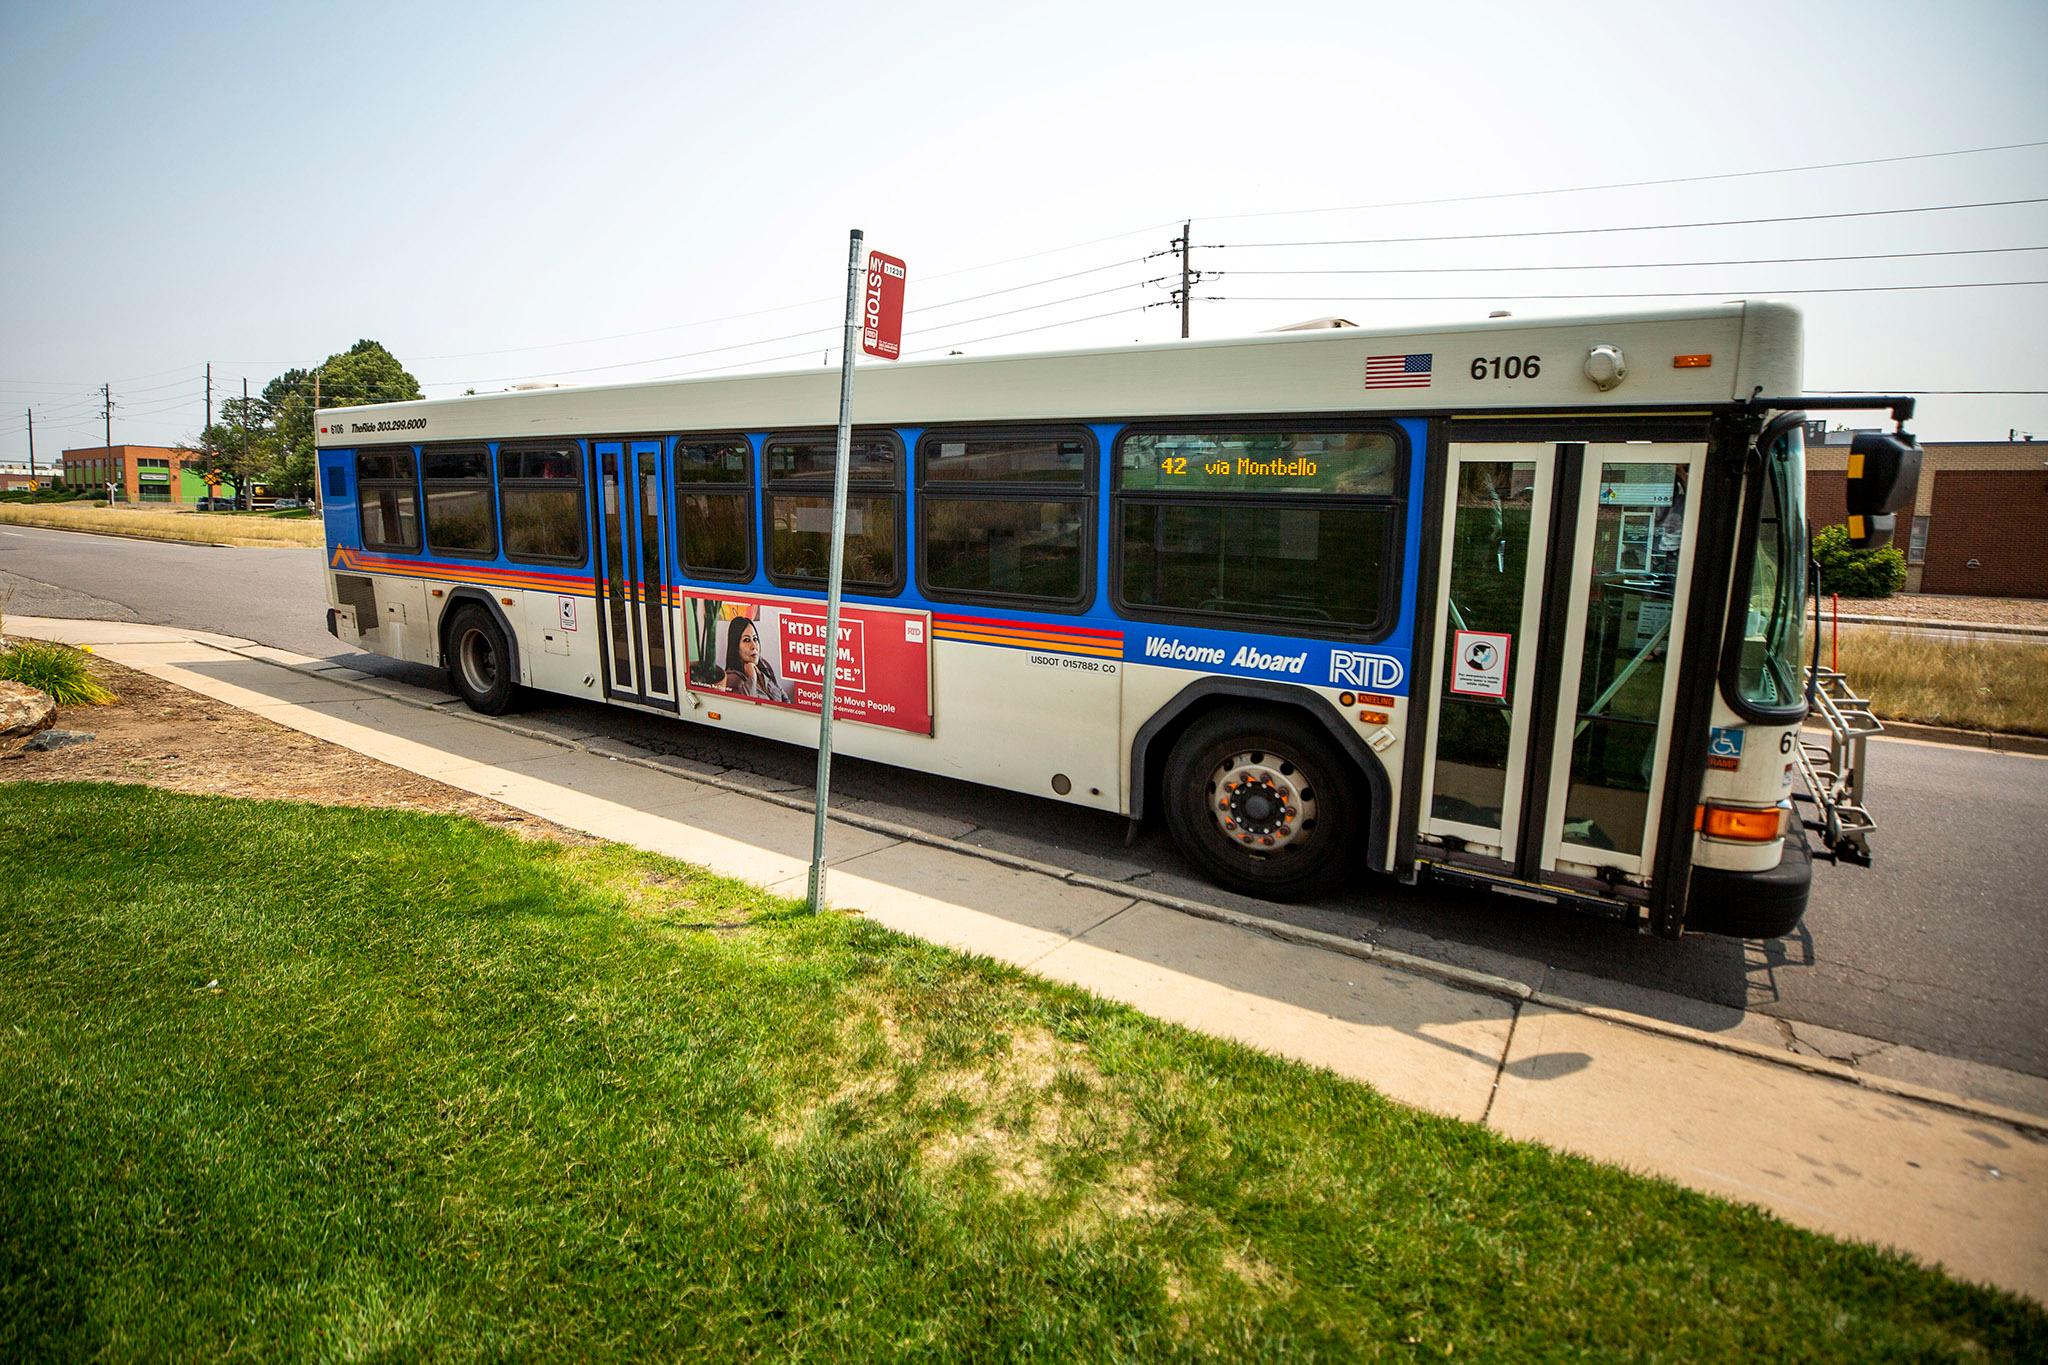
column 1260, row 804
column 480, row 661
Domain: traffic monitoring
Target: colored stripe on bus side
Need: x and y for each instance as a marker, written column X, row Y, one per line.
column 1032, row 635
column 356, row 560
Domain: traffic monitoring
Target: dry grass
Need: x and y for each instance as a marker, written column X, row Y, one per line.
column 200, row 527
column 1967, row 684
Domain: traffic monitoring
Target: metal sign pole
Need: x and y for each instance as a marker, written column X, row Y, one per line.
column 842, row 458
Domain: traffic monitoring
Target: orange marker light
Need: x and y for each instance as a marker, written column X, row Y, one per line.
column 1373, row 717
column 1749, row 826
column 1691, row 362
column 712, row 714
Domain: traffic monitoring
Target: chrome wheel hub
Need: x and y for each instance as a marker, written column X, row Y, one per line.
column 1261, row 801
column 479, row 661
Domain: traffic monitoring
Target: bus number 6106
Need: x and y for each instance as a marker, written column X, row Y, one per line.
column 1507, row 367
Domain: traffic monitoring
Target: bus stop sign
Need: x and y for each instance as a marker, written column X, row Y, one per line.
column 881, row 321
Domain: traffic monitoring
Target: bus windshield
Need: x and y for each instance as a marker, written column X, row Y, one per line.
column 1774, row 633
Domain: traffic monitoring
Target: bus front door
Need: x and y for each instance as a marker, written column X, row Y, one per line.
column 1559, row 614
column 633, row 587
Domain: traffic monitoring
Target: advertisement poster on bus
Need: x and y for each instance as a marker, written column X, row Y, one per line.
column 772, row 652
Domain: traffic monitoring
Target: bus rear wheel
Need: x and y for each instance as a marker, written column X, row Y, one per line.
column 1259, row 803
column 480, row 662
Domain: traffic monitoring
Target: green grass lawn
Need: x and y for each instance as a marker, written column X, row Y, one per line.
column 284, row 1080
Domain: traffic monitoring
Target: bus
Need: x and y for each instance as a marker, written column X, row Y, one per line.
column 1517, row 603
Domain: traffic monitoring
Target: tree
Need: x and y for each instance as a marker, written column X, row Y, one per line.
column 364, row 373
column 242, row 446
column 1857, row 573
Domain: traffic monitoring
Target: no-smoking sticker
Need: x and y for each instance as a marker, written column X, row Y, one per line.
column 1479, row 664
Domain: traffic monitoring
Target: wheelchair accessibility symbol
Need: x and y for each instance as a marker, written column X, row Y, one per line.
column 1724, row 748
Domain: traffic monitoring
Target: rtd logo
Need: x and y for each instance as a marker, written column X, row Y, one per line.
column 1368, row 672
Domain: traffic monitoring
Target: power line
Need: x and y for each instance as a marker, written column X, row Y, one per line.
column 1633, row 265
column 1023, row 331
column 1647, row 294
column 781, row 308
column 1623, row 184
column 765, row 341
column 1637, row 227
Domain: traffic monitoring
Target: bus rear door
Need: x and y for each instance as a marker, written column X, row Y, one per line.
column 633, row 585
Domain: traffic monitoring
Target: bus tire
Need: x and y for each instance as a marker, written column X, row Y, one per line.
column 480, row 661
column 1261, row 805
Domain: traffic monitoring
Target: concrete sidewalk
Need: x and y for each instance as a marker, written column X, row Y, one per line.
column 1953, row 1182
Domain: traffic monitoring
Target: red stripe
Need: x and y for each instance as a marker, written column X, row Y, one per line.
column 1113, row 636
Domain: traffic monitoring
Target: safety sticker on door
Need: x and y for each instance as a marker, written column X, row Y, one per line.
column 568, row 612
column 1479, row 664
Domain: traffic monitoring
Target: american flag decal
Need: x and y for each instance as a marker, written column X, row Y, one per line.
column 1398, row 371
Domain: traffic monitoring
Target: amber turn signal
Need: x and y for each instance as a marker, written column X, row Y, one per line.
column 1729, row 822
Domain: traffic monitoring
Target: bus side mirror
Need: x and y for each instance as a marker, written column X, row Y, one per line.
column 1884, row 471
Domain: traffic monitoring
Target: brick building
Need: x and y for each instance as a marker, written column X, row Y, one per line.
column 1979, row 525
column 16, row 476
column 141, row 473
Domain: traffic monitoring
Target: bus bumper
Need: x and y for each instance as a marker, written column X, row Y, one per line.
column 1765, row 904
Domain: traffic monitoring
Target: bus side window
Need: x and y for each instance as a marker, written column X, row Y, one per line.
column 715, row 506
column 799, row 479
column 540, row 495
column 460, row 517
column 1285, row 527
column 1006, row 517
column 387, row 495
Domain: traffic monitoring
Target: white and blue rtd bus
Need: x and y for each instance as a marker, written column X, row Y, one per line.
column 1516, row 603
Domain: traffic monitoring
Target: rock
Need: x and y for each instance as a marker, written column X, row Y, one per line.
column 56, row 739
column 24, row 710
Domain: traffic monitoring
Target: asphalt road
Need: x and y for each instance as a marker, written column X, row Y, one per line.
column 1942, row 946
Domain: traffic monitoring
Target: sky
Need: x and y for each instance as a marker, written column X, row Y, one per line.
column 512, row 192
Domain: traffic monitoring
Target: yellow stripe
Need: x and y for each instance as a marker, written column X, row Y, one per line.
column 1855, row 465
column 1058, row 639
column 524, row 584
column 969, row 638
column 1856, row 528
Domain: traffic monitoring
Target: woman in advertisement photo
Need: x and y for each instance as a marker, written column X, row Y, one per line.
column 747, row 674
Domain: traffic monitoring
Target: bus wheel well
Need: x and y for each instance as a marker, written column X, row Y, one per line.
column 462, row 597
column 1156, row 740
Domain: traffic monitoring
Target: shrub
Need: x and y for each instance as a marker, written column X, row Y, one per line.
column 1857, row 573
column 56, row 669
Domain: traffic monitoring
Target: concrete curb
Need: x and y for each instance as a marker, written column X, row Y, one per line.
column 1464, row 978
column 1994, row 740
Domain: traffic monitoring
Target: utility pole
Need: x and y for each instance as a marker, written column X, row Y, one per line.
column 1183, row 247
column 242, row 493
column 31, row 445
column 107, row 415
column 205, row 442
